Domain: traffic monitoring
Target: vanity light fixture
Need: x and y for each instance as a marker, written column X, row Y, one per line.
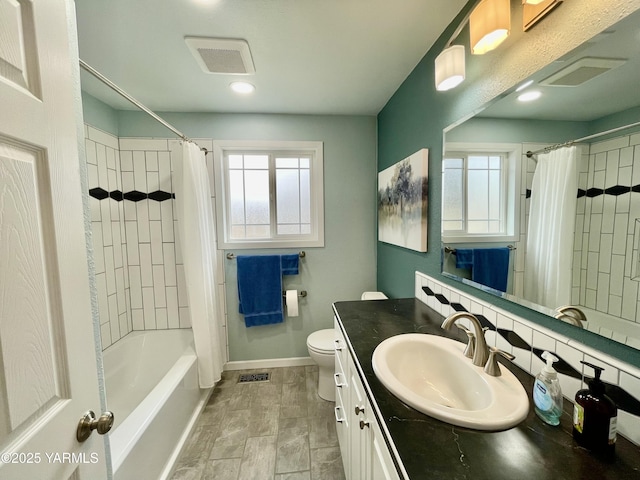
column 530, row 96
column 243, row 88
column 532, row 2
column 489, row 25
column 450, row 68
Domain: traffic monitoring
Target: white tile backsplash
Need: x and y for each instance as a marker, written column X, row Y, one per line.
column 616, row 372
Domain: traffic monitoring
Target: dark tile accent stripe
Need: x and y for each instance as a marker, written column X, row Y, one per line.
column 458, row 307
column 442, row 299
column 623, row 399
column 514, row 339
column 617, row 190
column 620, row 397
column 117, row 195
column 99, row 193
column 133, row 196
column 428, row 291
column 561, row 366
column 596, row 192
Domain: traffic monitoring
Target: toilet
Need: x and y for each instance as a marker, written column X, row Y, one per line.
column 321, row 346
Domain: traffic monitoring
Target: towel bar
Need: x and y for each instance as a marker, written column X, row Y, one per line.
column 453, row 250
column 231, row 256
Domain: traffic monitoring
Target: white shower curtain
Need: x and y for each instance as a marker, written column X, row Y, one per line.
column 550, row 237
column 196, row 228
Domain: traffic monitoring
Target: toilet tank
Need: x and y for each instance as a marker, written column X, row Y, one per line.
column 373, row 296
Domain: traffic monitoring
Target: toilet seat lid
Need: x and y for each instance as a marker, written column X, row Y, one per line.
column 322, row 340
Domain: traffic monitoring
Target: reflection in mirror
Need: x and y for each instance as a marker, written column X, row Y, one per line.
column 580, row 249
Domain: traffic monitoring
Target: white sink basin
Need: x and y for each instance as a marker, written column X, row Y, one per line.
column 431, row 374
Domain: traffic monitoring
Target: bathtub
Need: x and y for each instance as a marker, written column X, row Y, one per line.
column 151, row 382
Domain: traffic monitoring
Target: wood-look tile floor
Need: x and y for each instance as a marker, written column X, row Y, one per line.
column 275, row 430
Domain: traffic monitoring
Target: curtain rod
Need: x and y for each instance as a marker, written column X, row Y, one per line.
column 530, row 154
column 124, row 94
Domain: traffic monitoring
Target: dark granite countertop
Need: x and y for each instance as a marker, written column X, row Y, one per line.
column 431, row 449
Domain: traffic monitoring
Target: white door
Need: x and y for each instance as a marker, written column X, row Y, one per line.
column 48, row 372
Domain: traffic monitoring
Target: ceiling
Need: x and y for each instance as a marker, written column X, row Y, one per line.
column 343, row 57
column 612, row 92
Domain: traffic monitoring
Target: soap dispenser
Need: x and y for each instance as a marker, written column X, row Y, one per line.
column 595, row 417
column 547, row 395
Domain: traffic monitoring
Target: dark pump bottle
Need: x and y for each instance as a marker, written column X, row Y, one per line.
column 595, row 418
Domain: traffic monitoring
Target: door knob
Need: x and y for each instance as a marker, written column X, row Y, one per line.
column 88, row 423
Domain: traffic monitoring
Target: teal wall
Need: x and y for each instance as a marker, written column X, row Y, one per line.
column 346, row 266
column 481, row 129
column 626, row 117
column 415, row 118
column 98, row 114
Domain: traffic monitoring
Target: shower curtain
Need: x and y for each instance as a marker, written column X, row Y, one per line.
column 196, row 228
column 550, row 237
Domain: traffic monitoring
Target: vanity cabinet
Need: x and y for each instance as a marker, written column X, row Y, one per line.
column 365, row 454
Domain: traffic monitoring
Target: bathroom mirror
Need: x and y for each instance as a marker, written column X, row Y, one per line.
column 592, row 89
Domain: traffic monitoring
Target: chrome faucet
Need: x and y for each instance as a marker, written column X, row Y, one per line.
column 574, row 315
column 481, row 353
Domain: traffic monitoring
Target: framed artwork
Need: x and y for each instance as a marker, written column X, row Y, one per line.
column 402, row 202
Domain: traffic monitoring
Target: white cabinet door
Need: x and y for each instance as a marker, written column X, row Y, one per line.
column 342, row 398
column 382, row 467
column 48, row 369
column 360, row 456
column 342, row 414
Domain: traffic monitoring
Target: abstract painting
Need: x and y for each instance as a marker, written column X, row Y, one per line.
column 402, row 202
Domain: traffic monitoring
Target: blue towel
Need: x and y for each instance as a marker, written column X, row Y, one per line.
column 260, row 289
column 491, row 267
column 290, row 264
column 464, row 257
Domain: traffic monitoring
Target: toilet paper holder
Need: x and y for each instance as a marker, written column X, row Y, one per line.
column 301, row 293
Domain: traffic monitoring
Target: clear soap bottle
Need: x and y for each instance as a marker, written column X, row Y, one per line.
column 547, row 395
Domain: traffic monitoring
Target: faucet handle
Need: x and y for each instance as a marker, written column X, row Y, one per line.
column 471, row 344
column 492, row 367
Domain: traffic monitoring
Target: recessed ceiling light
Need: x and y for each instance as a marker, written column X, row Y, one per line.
column 530, row 96
column 242, row 87
column 524, row 85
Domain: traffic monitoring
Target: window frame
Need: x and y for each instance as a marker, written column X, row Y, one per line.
column 312, row 149
column 512, row 182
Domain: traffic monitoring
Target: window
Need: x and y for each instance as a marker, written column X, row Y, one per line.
column 480, row 192
column 272, row 194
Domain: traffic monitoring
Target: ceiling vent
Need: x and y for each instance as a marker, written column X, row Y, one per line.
column 221, row 55
column 582, row 71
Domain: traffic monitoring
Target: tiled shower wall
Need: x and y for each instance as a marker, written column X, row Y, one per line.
column 109, row 239
column 139, row 269
column 156, row 275
column 606, row 272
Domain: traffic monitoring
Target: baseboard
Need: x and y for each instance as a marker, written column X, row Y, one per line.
column 269, row 363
